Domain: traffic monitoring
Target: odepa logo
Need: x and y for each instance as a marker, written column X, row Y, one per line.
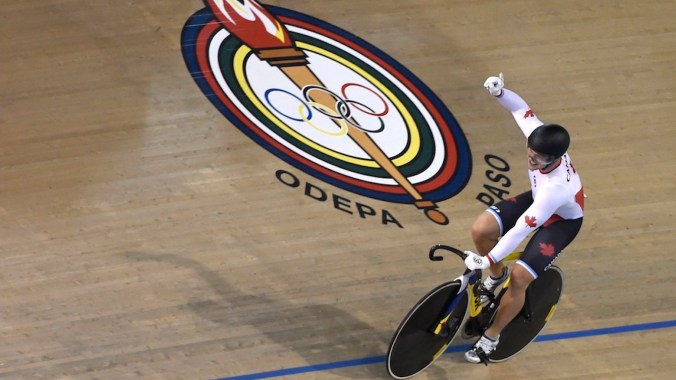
column 328, row 103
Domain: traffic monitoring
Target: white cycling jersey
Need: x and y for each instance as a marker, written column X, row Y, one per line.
column 557, row 194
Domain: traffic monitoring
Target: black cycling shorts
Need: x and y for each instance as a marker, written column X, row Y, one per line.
column 548, row 241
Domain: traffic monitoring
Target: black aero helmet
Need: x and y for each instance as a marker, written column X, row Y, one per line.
column 549, row 139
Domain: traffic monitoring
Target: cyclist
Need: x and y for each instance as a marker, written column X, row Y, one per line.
column 552, row 210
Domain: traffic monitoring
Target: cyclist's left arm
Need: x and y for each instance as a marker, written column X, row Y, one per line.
column 547, row 201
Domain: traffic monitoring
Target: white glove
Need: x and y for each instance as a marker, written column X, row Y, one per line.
column 474, row 261
column 494, row 85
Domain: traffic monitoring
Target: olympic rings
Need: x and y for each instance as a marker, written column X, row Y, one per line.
column 342, row 113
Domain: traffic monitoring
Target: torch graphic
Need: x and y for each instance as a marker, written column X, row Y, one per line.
column 270, row 41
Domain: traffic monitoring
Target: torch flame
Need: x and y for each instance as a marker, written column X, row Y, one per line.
column 250, row 11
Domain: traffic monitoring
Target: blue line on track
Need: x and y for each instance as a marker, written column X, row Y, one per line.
column 381, row 359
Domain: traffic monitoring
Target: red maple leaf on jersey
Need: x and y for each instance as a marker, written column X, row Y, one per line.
column 512, row 199
column 530, row 221
column 547, row 249
column 528, row 114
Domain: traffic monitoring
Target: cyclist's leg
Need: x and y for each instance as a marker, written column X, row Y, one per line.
column 495, row 221
column 485, row 234
column 547, row 244
column 513, row 300
column 540, row 253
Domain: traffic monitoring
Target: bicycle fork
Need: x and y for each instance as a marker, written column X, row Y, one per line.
column 445, row 323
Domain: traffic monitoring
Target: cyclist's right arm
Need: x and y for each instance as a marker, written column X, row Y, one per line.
column 546, row 202
column 524, row 116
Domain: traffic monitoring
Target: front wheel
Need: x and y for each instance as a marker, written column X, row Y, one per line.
column 415, row 346
column 542, row 295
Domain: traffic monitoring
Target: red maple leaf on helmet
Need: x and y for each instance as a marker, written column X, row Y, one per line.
column 530, row 221
column 547, row 249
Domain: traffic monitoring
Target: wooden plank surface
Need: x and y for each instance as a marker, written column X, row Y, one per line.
column 144, row 236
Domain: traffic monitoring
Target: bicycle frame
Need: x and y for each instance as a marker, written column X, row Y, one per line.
column 467, row 281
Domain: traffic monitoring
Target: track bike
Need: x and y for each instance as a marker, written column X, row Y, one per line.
column 430, row 326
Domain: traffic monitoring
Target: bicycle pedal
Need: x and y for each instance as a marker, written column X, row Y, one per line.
column 482, row 356
column 484, row 293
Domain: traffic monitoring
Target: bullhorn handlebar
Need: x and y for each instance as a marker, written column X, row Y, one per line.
column 434, row 256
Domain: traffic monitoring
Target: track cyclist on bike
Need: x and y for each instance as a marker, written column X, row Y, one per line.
column 551, row 210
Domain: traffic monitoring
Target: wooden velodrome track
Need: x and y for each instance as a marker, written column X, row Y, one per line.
column 144, row 236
